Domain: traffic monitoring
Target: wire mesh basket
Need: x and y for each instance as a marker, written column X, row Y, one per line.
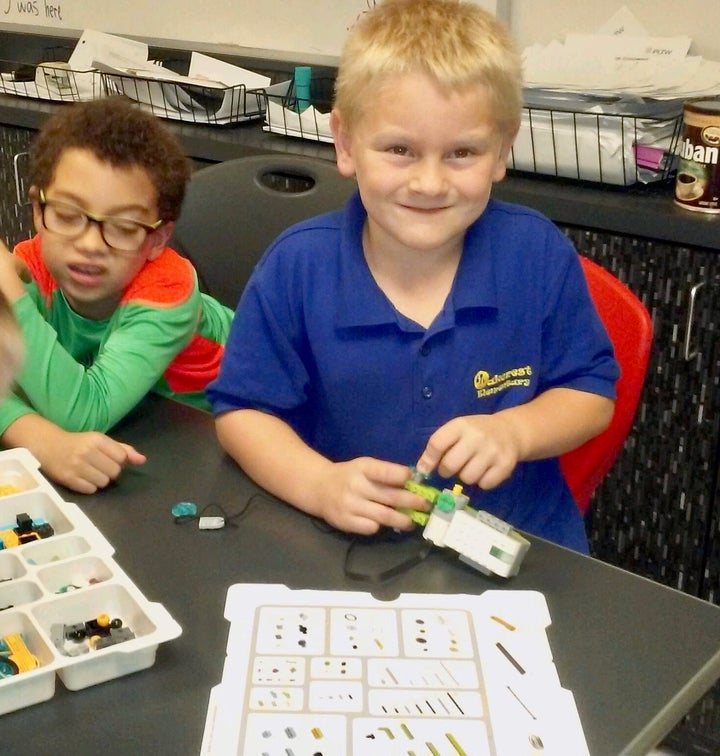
column 612, row 148
column 605, row 140
column 288, row 115
column 50, row 80
column 194, row 101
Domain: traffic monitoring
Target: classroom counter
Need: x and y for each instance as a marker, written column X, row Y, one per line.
column 647, row 212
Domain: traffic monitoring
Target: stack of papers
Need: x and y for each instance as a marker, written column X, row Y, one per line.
column 621, row 58
column 607, row 107
column 77, row 79
column 213, row 91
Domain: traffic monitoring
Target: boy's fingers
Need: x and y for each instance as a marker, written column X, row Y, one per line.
column 437, row 446
column 134, row 457
column 387, row 473
column 428, row 461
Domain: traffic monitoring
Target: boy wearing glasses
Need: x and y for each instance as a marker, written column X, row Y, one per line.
column 109, row 312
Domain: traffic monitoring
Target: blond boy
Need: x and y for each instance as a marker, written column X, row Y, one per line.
column 426, row 323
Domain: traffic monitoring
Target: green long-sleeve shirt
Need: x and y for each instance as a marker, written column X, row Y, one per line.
column 165, row 336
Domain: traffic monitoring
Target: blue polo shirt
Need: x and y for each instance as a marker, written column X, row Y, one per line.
column 317, row 343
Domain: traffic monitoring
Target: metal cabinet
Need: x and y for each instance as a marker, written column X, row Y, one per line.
column 656, row 512
column 15, row 219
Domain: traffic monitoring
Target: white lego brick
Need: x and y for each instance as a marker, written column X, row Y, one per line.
column 485, row 541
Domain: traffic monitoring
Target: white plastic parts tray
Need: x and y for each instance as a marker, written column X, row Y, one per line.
column 344, row 674
column 52, row 584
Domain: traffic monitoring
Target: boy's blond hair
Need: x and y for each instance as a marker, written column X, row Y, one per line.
column 11, row 347
column 456, row 43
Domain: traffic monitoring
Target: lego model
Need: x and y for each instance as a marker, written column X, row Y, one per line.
column 95, row 634
column 483, row 541
column 25, row 531
column 15, row 657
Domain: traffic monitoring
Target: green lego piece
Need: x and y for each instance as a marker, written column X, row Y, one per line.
column 445, row 502
column 417, row 516
column 429, row 493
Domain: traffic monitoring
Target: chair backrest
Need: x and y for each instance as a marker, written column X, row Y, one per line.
column 629, row 326
column 233, row 210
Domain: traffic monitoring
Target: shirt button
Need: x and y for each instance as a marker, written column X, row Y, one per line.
column 427, row 392
column 425, row 350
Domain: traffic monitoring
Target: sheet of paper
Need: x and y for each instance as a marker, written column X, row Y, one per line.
column 205, row 67
column 623, row 21
column 93, row 44
column 621, row 58
column 626, row 47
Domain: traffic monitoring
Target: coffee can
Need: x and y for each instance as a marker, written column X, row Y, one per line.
column 697, row 183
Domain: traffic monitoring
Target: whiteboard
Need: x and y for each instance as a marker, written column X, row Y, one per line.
column 312, row 27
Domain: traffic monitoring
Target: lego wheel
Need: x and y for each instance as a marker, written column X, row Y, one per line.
column 8, row 668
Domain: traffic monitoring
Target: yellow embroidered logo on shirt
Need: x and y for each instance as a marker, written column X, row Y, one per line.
column 487, row 385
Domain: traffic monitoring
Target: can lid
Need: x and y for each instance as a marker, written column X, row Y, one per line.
column 709, row 105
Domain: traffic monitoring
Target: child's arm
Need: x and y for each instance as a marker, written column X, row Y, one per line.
column 483, row 450
column 82, row 462
column 358, row 496
column 11, row 269
column 146, row 332
column 11, row 346
column 130, row 362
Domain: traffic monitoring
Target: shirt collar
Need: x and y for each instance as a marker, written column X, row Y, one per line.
column 361, row 301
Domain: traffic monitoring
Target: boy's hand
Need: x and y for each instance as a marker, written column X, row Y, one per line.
column 83, row 462
column 364, row 494
column 481, row 450
column 13, row 272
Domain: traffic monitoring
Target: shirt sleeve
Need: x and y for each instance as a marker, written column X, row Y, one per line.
column 268, row 351
column 262, row 367
column 577, row 351
column 140, row 343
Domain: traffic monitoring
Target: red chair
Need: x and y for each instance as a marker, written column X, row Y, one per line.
column 630, row 329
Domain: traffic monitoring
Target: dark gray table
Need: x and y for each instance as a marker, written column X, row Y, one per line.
column 636, row 654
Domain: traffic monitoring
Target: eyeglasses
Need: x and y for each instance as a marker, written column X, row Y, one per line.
column 122, row 234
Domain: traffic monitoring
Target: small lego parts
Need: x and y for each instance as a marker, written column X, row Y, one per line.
column 116, row 635
column 69, row 587
column 7, row 489
column 94, row 634
column 25, row 531
column 15, row 657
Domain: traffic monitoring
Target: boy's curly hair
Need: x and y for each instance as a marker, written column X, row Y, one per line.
column 119, row 132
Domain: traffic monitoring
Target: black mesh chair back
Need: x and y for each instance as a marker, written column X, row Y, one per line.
column 233, row 210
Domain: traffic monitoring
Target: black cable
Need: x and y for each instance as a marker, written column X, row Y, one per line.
column 379, row 577
column 385, row 535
